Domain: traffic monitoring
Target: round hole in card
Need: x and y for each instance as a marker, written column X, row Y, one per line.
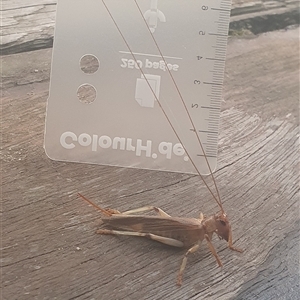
column 86, row 93
column 89, row 64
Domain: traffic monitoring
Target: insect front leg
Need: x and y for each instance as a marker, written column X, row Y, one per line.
column 230, row 246
column 213, row 251
column 183, row 264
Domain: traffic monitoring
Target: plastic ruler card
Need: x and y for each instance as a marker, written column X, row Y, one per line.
column 137, row 83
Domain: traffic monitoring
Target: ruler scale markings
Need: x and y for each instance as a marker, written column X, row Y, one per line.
column 219, row 71
column 211, row 124
column 211, row 58
column 207, row 131
column 211, row 150
column 218, row 67
column 221, row 21
column 216, row 100
column 220, row 40
column 212, row 153
column 222, row 30
column 224, row 12
column 212, row 137
column 220, row 43
column 220, row 50
column 217, row 88
column 217, row 82
column 217, row 77
column 210, row 146
column 212, row 83
column 214, row 112
column 217, row 74
column 224, row 19
column 216, row 92
column 220, row 9
column 218, row 34
column 212, row 121
column 220, row 63
column 213, row 128
column 210, row 107
column 223, row 16
column 225, row 4
column 219, row 46
column 220, row 55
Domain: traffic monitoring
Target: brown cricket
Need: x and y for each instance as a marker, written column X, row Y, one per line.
column 173, row 231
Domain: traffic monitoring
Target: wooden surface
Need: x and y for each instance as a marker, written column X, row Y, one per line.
column 49, row 246
column 29, row 24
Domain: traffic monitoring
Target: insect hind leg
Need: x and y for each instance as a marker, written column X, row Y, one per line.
column 158, row 238
column 158, row 210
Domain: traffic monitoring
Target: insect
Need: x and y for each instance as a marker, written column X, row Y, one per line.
column 174, row 231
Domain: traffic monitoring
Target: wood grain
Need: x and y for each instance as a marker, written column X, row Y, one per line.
column 49, row 246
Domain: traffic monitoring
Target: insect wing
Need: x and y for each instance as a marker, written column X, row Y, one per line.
column 186, row 230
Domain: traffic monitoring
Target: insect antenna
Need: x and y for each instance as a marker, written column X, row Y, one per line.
column 218, row 198
column 105, row 212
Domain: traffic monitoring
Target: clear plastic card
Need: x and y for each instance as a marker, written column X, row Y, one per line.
column 137, row 83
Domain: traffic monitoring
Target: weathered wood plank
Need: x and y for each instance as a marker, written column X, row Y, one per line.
column 29, row 25
column 49, row 246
